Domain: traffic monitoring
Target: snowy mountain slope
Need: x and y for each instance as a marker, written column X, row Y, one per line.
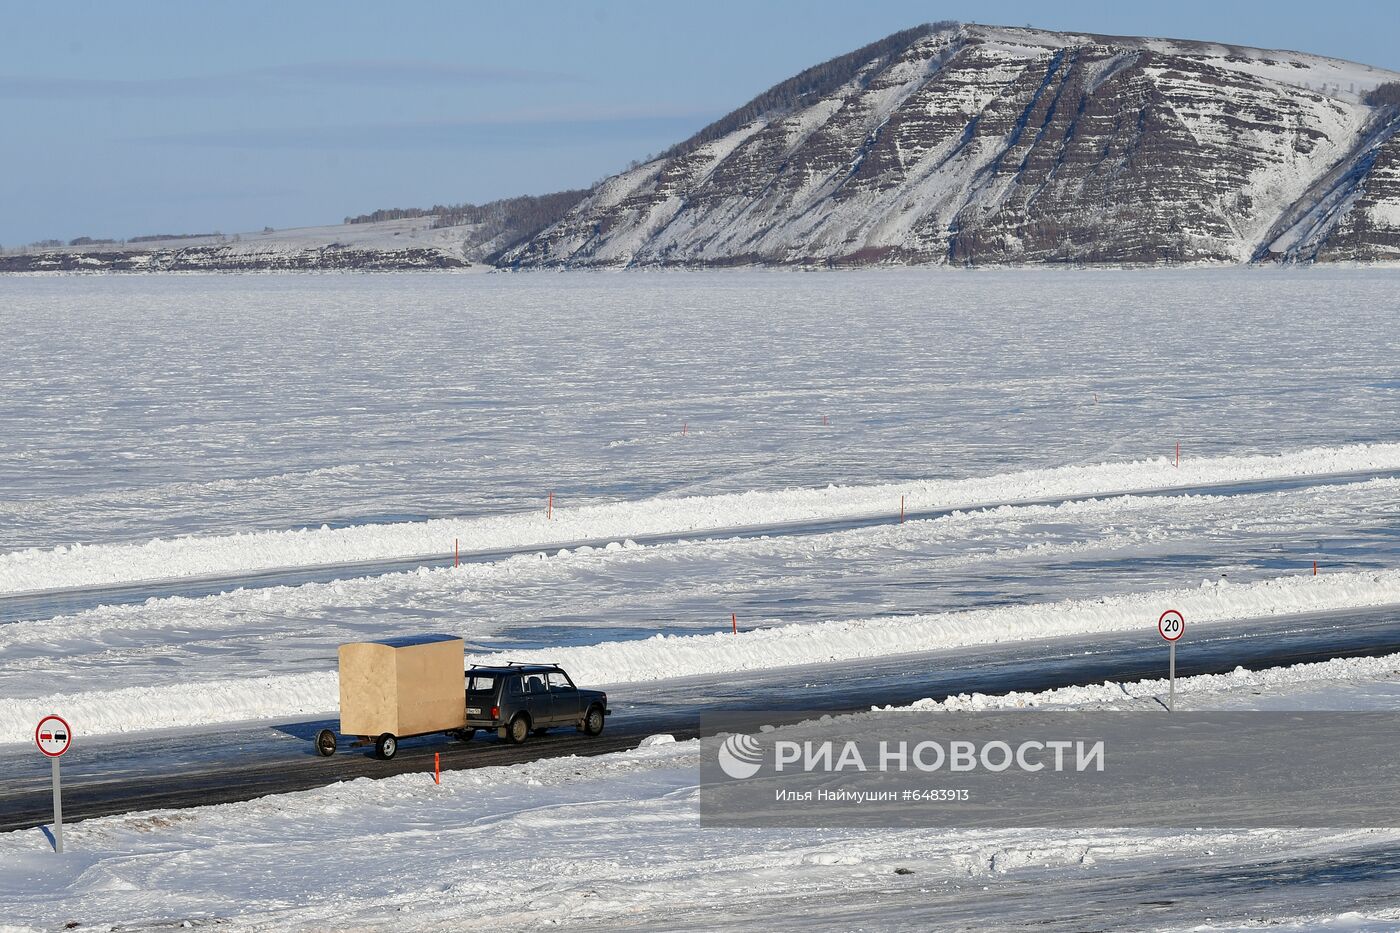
column 947, row 143
column 1352, row 213
column 970, row 144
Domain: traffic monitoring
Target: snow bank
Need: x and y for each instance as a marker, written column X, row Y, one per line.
column 665, row 656
column 1076, row 697
column 79, row 565
column 139, row 709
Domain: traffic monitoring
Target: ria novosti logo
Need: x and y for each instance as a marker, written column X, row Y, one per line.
column 743, row 756
column 740, row 756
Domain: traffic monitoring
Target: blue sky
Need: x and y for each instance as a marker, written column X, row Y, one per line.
column 155, row 117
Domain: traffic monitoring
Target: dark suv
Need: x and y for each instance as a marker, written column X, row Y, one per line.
column 518, row 699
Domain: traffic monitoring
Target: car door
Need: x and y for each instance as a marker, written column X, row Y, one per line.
column 537, row 699
column 481, row 695
column 564, row 697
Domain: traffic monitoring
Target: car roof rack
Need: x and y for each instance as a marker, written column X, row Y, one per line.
column 520, row 664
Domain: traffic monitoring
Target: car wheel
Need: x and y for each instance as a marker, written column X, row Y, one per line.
column 325, row 743
column 466, row 735
column 540, row 731
column 593, row 722
column 386, row 746
column 518, row 730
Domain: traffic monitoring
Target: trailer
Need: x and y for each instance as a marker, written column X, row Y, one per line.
column 399, row 688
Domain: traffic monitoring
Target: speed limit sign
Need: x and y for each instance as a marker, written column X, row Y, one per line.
column 1171, row 626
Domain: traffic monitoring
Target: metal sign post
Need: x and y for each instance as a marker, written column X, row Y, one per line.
column 1171, row 626
column 53, row 737
column 1171, row 677
column 57, row 808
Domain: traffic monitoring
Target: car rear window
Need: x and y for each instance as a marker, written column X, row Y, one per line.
column 481, row 683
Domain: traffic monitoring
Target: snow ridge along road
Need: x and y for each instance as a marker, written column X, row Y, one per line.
column 78, row 565
column 609, row 663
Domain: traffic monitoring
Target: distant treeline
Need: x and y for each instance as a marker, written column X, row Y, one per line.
column 394, row 213
column 495, row 226
column 174, row 236
column 76, row 241
column 112, row 241
column 1385, row 95
column 526, row 211
column 534, row 211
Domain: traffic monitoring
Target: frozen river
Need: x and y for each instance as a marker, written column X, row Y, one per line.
column 738, row 442
column 141, row 406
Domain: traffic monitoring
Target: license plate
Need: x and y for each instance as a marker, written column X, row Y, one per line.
column 473, row 709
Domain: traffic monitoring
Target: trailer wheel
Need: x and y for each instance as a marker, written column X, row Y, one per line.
column 465, row 735
column 386, row 746
column 325, row 743
column 518, row 730
column 593, row 722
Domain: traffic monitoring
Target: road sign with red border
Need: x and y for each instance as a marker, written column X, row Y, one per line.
column 53, row 736
column 1172, row 625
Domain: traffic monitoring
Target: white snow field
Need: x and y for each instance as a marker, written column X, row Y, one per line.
column 614, row 842
column 158, row 433
column 137, row 407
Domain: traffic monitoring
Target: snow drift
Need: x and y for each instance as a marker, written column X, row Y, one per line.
column 78, row 565
column 302, row 695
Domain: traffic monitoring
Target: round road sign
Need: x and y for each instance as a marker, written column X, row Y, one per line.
column 53, row 736
column 1171, row 625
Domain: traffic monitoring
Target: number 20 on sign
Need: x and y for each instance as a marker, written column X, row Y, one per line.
column 1171, row 626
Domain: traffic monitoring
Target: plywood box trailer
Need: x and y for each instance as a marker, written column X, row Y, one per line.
column 399, row 688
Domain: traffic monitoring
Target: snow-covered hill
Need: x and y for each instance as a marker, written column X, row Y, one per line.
column 391, row 244
column 444, row 237
column 971, row 144
column 944, row 144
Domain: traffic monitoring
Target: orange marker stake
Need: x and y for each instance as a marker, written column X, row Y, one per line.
column 549, row 509
column 901, row 510
column 454, row 552
column 437, row 767
column 734, row 618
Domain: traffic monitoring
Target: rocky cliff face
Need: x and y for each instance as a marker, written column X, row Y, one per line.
column 969, row 144
column 1352, row 214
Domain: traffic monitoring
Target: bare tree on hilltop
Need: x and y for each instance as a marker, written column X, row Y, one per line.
column 498, row 224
